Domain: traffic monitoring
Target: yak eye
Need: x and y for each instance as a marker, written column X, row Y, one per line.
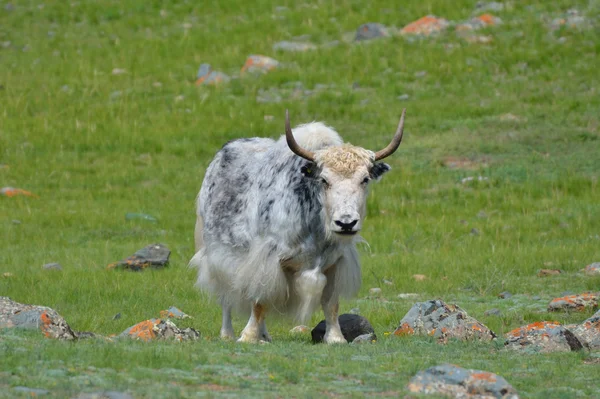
column 325, row 182
column 366, row 180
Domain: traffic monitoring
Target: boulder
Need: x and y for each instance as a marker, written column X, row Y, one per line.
column 544, row 337
column 577, row 302
column 442, row 321
column 352, row 326
column 588, row 332
column 371, row 31
column 456, row 382
column 153, row 329
column 154, row 255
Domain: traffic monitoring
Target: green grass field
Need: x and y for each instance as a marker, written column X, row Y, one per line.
column 522, row 111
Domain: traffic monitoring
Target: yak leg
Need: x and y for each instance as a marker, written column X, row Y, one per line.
column 330, row 304
column 256, row 326
column 226, row 325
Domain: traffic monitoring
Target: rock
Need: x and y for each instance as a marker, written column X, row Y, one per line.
column 299, row 329
column 371, row 31
column 419, row 277
column 352, row 326
column 117, row 316
column 575, row 302
column 592, row 269
column 159, row 329
column 354, row 311
column 376, row 291
column 491, row 6
column 206, row 76
column 479, row 22
column 588, row 332
column 403, row 97
column 442, row 321
column 471, row 178
column 475, row 231
column 52, row 266
column 293, row 46
column 365, row 339
column 425, row 26
column 104, row 395
column 31, row 392
column 572, row 19
column 542, row 336
column 259, row 63
column 548, row 272
column 457, row 382
column 17, row 315
column 14, row 192
column 119, row 71
column 493, row 312
column 154, row 255
column 174, row 313
column 387, row 282
column 504, row 295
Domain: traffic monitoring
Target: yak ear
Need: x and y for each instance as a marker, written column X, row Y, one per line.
column 378, row 169
column 309, row 169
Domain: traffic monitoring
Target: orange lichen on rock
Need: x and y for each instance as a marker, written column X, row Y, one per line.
column 13, row 192
column 404, row 329
column 487, row 19
column 484, row 376
column 144, row 330
column 575, row 302
column 537, row 326
column 46, row 323
column 425, row 26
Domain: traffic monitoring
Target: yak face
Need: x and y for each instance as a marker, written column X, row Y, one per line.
column 344, row 173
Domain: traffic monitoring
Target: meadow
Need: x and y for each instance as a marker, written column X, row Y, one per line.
column 100, row 116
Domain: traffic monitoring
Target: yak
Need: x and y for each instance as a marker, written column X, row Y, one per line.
column 278, row 222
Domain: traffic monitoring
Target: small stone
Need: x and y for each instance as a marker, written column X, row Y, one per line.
column 471, row 178
column 371, row 31
column 575, row 302
column 159, row 329
column 504, row 295
column 403, row 97
column 489, row 6
column 542, row 336
column 351, row 325
column 154, row 255
column 174, row 313
column 425, row 26
column 299, row 329
column 475, row 231
column 293, row 46
column 365, row 338
column 375, row 291
column 117, row 316
column 387, row 282
column 268, row 118
column 118, row 71
column 493, row 312
column 206, row 76
column 592, row 269
column 456, row 382
column 482, row 215
column 442, row 321
column 157, row 84
column 52, row 266
column 179, row 98
column 104, row 395
column 420, row 74
column 7, row 275
column 15, row 221
column 31, row 392
column 410, row 295
column 419, row 277
column 259, row 63
column 479, row 22
column 548, row 272
column 14, row 192
column 354, row 311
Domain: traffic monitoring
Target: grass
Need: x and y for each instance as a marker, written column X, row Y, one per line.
column 94, row 145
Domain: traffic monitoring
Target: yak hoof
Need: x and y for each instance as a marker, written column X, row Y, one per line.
column 334, row 339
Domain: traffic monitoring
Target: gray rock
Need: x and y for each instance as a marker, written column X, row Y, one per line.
column 351, row 325
column 155, row 256
column 493, row 312
column 442, row 321
column 365, row 339
column 52, row 266
column 575, row 302
column 17, row 315
column 588, row 332
column 542, row 337
column 104, row 395
column 403, row 97
column 32, row 392
column 489, row 6
column 504, row 295
column 592, row 269
column 457, row 382
column 293, row 46
column 376, row 291
column 153, row 329
column 371, row 31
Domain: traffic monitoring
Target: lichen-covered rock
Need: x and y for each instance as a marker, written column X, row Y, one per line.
column 371, row 31
column 17, row 315
column 154, row 255
column 207, row 76
column 174, row 313
column 294, row 46
column 259, row 63
column 457, row 382
column 592, row 269
column 575, row 302
column 152, row 329
column 352, row 326
column 442, row 321
column 476, row 23
column 542, row 336
column 425, row 26
column 588, row 332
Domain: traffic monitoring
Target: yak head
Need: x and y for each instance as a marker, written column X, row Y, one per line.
column 344, row 173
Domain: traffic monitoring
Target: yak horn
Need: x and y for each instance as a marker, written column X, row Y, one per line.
column 393, row 146
column 291, row 142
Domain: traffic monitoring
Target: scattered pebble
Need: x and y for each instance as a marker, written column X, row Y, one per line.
column 479, row 22
column 489, row 6
column 387, row 282
column 365, row 338
column 174, row 313
column 572, row 19
column 504, row 295
column 154, row 255
column 471, row 178
column 351, row 325
column 475, row 231
column 419, row 277
column 104, row 395
column 456, row 382
column 7, row 275
column 410, row 295
column 375, row 291
column 354, row 311
column 592, row 269
column 442, row 321
column 52, row 266
column 420, row 74
column 293, row 46
column 14, row 192
column 301, row 329
column 118, row 71
column 403, row 97
column 493, row 312
column 259, row 63
column 370, row 31
column 425, row 26
column 117, row 316
column 575, row 302
column 206, row 76
column 548, row 272
column 542, row 336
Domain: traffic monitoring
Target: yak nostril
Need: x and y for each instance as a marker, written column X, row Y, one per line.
column 346, row 226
